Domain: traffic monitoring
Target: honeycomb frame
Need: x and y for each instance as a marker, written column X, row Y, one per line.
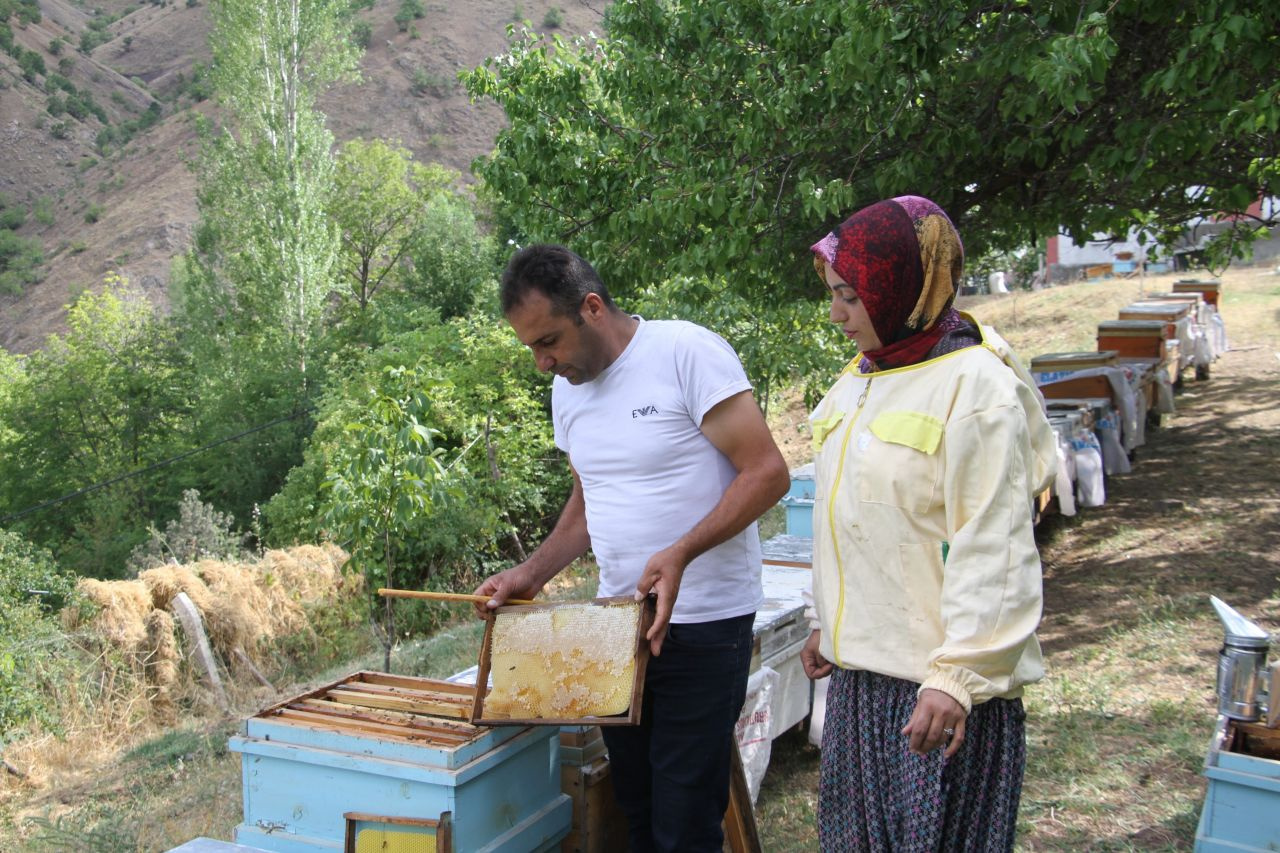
column 564, row 663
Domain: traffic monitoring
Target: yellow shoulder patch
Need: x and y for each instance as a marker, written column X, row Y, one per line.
column 911, row 429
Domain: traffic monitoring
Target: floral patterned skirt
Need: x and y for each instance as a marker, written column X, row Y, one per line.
column 876, row 796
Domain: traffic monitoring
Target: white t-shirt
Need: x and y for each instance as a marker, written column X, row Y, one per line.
column 649, row 474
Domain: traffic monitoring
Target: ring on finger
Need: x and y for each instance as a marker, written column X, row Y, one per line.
column 948, row 732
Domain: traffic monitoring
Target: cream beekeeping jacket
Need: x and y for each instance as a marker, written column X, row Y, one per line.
column 925, row 565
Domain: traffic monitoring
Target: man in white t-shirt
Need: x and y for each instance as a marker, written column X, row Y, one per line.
column 672, row 464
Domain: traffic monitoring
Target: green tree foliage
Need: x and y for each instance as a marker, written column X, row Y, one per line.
column 706, row 137
column 20, row 259
column 252, row 293
column 33, row 652
column 267, row 252
column 199, row 532
column 453, row 262
column 105, row 399
column 378, row 203
column 485, row 410
column 385, row 479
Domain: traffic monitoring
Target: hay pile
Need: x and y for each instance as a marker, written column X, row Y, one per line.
column 244, row 606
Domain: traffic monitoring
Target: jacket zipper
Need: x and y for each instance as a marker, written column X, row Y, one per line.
column 831, row 519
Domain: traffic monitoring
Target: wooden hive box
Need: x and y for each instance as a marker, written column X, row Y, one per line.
column 1053, row 366
column 1079, row 387
column 395, row 747
column 1242, row 803
column 1169, row 312
column 1135, row 339
column 1191, row 298
column 598, row 825
column 1209, row 290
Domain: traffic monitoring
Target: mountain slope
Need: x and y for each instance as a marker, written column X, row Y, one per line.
column 131, row 208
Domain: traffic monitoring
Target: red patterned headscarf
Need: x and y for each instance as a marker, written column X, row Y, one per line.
column 903, row 258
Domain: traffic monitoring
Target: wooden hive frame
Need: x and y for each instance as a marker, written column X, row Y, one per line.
column 642, row 620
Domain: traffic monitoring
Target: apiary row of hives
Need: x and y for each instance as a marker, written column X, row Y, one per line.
column 1101, row 403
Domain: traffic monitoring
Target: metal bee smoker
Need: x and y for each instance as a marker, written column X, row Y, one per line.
column 1248, row 689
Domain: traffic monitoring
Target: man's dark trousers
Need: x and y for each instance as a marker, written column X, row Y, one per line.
column 671, row 773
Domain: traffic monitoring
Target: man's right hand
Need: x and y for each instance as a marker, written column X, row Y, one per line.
column 516, row 582
column 815, row 665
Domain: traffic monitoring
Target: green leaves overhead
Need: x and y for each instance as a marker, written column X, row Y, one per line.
column 721, row 137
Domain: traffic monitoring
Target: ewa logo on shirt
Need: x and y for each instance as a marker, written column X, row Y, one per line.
column 640, row 413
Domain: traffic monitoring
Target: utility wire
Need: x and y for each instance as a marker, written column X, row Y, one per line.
column 96, row 486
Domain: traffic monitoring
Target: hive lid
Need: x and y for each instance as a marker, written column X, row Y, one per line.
column 1133, row 328
column 564, row 663
column 1073, row 360
column 1160, row 310
column 1194, row 297
column 1196, row 286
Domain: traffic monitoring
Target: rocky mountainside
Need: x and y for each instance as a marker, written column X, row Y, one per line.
column 110, row 190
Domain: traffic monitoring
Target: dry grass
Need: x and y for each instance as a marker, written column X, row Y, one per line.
column 135, row 674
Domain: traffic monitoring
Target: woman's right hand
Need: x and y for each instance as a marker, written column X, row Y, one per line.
column 815, row 665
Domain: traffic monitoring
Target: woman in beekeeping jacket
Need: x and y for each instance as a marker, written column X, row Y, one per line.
column 929, row 450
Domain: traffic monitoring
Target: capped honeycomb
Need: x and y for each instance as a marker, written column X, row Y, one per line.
column 568, row 661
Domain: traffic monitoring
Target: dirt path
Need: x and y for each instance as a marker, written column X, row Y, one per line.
column 1198, row 515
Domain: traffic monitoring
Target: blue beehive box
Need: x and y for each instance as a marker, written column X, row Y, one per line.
column 798, row 502
column 1242, row 802
column 396, row 746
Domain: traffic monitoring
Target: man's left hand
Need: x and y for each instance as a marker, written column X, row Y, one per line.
column 662, row 576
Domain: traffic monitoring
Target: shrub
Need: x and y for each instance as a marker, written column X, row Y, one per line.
column 29, row 12
column 32, row 648
column 199, row 532
column 92, row 38
column 12, row 214
column 20, row 258
column 32, row 65
column 61, row 130
column 554, row 18
column 42, row 210
column 476, row 378
column 361, row 33
column 58, row 81
column 93, row 212
column 429, row 81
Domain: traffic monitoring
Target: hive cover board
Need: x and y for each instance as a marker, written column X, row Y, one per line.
column 574, row 662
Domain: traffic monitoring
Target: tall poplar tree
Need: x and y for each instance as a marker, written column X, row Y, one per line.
column 265, row 258
column 266, row 254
